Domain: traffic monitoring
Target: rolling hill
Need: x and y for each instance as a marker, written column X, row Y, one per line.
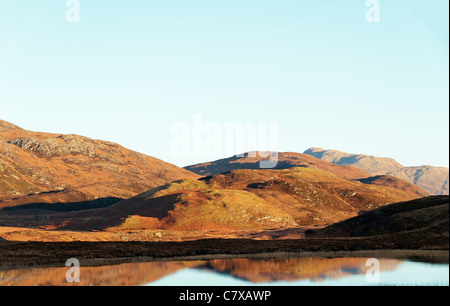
column 102, row 188
column 433, row 179
column 239, row 200
column 286, row 160
column 54, row 168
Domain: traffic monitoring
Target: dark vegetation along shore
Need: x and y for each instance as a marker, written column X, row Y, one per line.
column 16, row 255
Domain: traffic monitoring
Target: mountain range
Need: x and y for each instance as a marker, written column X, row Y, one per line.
column 433, row 179
column 70, row 187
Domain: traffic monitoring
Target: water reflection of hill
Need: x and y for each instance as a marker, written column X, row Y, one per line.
column 120, row 275
column 255, row 271
column 317, row 269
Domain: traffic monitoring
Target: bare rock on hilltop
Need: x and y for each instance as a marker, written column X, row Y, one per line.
column 57, row 146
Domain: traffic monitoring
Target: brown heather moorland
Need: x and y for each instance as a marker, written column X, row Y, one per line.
column 71, row 196
column 246, row 201
column 286, row 160
column 37, row 168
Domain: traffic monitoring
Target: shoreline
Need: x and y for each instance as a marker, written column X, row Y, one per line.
column 17, row 255
column 425, row 256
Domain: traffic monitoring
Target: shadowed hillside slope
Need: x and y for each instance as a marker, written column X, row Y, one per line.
column 422, row 217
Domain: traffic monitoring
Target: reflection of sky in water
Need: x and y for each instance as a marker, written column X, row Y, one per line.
column 408, row 273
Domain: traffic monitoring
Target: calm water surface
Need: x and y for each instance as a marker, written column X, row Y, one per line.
column 240, row 272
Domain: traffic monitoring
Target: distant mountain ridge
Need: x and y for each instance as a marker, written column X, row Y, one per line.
column 433, row 179
column 371, row 164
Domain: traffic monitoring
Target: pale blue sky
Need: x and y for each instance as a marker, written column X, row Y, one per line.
column 130, row 69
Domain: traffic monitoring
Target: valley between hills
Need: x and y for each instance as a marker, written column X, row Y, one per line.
column 59, row 192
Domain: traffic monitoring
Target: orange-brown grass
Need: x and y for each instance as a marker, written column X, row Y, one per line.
column 286, row 160
column 54, row 168
column 240, row 200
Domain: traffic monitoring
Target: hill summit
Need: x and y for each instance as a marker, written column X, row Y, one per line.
column 54, row 168
column 4, row 126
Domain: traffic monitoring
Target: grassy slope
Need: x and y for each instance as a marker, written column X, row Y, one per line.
column 241, row 199
column 285, row 160
column 56, row 168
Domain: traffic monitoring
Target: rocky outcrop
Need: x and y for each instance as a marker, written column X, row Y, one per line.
column 57, row 146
